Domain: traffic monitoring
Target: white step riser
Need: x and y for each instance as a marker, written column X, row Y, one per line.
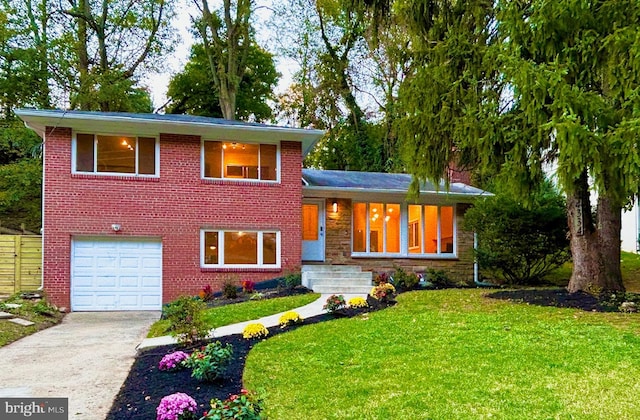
column 338, row 290
column 331, row 268
column 341, row 282
column 339, row 277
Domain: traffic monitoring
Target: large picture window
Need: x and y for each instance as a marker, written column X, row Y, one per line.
column 232, row 160
column 240, row 249
column 378, row 228
column 115, row 154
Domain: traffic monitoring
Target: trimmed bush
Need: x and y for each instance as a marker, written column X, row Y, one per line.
column 520, row 244
column 186, row 321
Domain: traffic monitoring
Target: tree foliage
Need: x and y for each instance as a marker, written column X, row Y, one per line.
column 194, row 92
column 520, row 244
column 347, row 83
column 226, row 37
column 21, row 194
column 512, row 87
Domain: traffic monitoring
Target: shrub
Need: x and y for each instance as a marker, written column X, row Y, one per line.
column 244, row 406
column 291, row 279
column 334, row 303
column 438, row 278
column 173, row 361
column 289, row 318
column 178, row 406
column 256, row 296
column 206, row 293
column 381, row 278
column 255, row 330
column 248, row 286
column 210, row 362
column 229, row 289
column 520, row 244
column 185, row 318
column 404, row 280
column 357, row 302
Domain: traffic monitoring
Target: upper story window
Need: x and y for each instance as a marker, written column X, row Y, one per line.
column 95, row 153
column 233, row 160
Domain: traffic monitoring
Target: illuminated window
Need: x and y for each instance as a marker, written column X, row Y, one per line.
column 376, row 228
column 431, row 229
column 115, row 154
column 379, row 227
column 240, row 248
column 233, row 160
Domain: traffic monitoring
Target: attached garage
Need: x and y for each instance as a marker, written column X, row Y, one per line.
column 109, row 274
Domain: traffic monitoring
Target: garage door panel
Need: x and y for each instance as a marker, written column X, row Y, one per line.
column 118, row 274
column 130, row 262
column 129, row 282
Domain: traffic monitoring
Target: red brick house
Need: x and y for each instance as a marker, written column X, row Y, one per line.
column 140, row 208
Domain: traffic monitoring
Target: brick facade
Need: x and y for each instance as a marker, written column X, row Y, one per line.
column 173, row 208
column 338, row 248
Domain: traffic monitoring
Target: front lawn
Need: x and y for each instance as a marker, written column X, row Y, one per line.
column 454, row 354
column 240, row 312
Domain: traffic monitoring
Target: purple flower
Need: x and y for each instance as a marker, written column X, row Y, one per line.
column 173, row 361
column 176, row 406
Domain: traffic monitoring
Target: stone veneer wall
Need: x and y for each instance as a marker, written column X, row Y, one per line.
column 338, row 248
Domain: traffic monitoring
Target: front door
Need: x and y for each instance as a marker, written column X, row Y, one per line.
column 313, row 230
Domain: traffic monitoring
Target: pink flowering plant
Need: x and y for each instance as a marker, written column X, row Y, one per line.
column 178, row 406
column 334, row 303
column 173, row 361
column 244, row 406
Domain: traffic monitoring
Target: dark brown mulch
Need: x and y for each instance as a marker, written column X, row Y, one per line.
column 552, row 297
column 146, row 385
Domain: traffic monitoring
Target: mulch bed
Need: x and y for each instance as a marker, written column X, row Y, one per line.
column 559, row 298
column 146, row 385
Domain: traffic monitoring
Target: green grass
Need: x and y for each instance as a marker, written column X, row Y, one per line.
column 454, row 354
column 38, row 312
column 240, row 312
column 629, row 264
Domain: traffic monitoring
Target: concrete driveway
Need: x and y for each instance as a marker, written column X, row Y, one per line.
column 86, row 358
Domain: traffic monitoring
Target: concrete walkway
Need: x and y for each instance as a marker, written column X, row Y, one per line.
column 312, row 309
column 85, row 358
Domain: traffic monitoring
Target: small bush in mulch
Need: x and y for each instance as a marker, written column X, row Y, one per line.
column 561, row 298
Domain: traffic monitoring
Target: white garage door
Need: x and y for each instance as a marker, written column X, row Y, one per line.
column 116, row 274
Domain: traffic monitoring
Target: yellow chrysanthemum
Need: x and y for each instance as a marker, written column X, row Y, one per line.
column 358, row 302
column 256, row 330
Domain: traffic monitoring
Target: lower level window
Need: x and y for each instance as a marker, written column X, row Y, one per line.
column 240, row 248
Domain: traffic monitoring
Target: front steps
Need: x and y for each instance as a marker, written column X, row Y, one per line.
column 336, row 279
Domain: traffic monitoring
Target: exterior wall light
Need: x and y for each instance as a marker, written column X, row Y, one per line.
column 116, row 227
column 335, row 206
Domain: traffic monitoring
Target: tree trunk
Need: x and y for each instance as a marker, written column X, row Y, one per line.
column 595, row 249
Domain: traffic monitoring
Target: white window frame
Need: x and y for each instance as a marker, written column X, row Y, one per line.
column 74, row 155
column 221, row 263
column 223, row 178
column 404, row 233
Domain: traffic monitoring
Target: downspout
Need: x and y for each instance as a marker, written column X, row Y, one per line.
column 476, row 267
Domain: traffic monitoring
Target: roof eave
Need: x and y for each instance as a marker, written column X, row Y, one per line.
column 39, row 120
column 342, row 192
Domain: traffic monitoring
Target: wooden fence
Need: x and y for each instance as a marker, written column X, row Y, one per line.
column 20, row 263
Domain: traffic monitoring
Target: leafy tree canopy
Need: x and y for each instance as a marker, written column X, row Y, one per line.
column 21, row 194
column 194, row 92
